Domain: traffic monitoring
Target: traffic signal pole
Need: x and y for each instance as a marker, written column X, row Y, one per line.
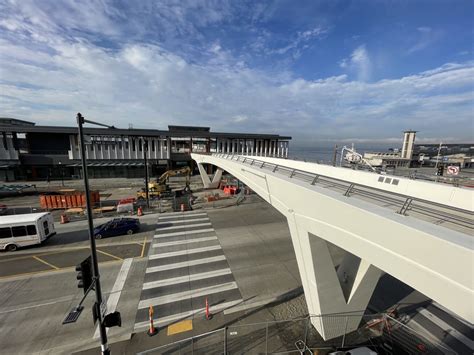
column 95, row 266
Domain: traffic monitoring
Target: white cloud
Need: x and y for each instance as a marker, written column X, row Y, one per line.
column 425, row 37
column 47, row 76
column 358, row 62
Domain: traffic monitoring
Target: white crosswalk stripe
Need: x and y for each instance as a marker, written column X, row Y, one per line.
column 185, row 264
column 184, row 226
column 181, row 216
column 187, row 241
column 186, row 267
column 183, row 252
column 175, row 234
column 179, row 296
column 182, row 221
column 187, row 278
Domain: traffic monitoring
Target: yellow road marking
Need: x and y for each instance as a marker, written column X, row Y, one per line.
column 45, row 262
column 180, row 327
column 44, row 254
column 111, row 255
column 46, row 271
column 143, row 248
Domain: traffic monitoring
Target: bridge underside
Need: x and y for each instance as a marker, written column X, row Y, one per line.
column 375, row 239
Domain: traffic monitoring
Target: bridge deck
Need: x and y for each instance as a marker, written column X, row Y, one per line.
column 454, row 219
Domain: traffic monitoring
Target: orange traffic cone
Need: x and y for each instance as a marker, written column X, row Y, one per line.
column 152, row 330
column 182, row 207
column 208, row 313
column 64, row 219
column 139, row 212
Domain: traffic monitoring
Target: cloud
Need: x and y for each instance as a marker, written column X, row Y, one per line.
column 358, row 62
column 49, row 73
column 425, row 37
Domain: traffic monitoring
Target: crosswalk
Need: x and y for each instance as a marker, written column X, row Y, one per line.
column 186, row 265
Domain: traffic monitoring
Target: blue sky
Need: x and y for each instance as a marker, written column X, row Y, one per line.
column 320, row 71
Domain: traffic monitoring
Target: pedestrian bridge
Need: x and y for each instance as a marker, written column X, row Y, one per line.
column 417, row 231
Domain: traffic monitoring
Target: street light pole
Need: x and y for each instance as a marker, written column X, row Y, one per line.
column 95, row 266
column 145, row 151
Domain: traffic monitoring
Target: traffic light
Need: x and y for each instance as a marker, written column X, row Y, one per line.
column 84, row 274
column 112, row 320
column 440, row 170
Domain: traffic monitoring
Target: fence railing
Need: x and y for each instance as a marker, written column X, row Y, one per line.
column 297, row 336
column 405, row 202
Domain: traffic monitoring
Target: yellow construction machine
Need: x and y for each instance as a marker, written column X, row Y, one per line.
column 160, row 186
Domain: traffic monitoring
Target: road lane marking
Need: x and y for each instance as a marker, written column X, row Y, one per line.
column 183, row 252
column 185, row 295
column 143, row 248
column 187, row 278
column 112, row 256
column 186, row 213
column 185, row 226
column 45, row 262
column 183, row 221
column 44, row 272
column 187, row 241
column 162, row 321
column 184, row 264
column 176, row 216
column 56, row 301
column 446, row 327
column 174, row 234
column 116, row 291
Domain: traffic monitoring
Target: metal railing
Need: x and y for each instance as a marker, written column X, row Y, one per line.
column 297, row 336
column 406, row 203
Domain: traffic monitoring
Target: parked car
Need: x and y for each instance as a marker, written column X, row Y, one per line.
column 117, row 226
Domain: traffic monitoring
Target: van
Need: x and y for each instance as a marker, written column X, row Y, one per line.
column 21, row 230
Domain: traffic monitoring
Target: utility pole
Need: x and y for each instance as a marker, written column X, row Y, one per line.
column 145, row 151
column 95, row 266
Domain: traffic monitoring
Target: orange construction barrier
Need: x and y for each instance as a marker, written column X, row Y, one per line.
column 208, row 313
column 139, row 212
column 64, row 219
column 152, row 331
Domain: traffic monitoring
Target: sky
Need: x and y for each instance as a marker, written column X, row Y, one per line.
column 320, row 71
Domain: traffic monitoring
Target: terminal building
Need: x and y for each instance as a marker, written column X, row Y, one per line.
column 34, row 152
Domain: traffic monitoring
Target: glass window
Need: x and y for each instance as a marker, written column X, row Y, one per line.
column 19, row 231
column 31, row 229
column 5, row 233
column 46, row 227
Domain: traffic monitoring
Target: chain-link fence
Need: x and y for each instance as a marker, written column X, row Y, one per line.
column 380, row 332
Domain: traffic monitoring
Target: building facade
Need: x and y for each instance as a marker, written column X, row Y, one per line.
column 33, row 152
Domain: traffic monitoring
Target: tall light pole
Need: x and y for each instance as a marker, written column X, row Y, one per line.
column 145, row 151
column 95, row 266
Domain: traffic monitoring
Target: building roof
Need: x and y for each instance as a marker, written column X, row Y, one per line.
column 186, row 131
column 8, row 121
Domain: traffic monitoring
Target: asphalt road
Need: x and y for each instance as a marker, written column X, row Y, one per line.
column 70, row 246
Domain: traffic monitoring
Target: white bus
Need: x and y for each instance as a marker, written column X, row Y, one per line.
column 21, row 230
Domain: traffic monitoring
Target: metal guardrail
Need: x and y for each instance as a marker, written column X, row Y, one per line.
column 298, row 336
column 407, row 202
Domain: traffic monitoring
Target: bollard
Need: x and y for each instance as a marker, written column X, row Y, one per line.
column 208, row 313
column 152, row 331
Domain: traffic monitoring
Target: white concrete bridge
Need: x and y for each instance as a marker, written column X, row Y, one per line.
column 419, row 232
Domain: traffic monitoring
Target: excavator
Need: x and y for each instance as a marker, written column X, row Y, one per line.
column 160, row 187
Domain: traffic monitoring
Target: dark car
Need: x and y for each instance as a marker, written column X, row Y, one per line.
column 117, row 226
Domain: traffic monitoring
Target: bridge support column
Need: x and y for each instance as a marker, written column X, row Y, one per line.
column 329, row 291
column 208, row 184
